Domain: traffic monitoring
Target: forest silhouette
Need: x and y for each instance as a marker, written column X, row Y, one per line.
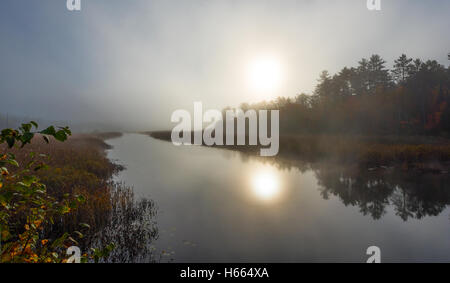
column 412, row 98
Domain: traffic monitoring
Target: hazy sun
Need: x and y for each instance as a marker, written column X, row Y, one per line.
column 264, row 74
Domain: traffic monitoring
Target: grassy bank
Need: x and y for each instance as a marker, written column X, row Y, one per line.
column 77, row 167
column 423, row 153
column 80, row 167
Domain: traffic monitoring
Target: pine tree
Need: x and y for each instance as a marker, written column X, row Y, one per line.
column 403, row 67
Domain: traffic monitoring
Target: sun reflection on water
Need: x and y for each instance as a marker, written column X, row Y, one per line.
column 265, row 184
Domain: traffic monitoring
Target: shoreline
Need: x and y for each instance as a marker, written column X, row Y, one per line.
column 423, row 154
column 109, row 214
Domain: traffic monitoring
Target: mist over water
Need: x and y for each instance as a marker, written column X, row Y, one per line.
column 221, row 206
column 359, row 126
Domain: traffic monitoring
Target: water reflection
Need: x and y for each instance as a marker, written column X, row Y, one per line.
column 410, row 194
column 265, row 184
column 254, row 209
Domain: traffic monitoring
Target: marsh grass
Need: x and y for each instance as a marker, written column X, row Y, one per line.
column 130, row 226
column 80, row 167
column 418, row 152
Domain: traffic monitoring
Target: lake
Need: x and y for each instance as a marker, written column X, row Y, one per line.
column 218, row 205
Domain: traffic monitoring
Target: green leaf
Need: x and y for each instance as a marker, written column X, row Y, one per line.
column 13, row 162
column 26, row 138
column 58, row 242
column 81, row 198
column 60, row 135
column 3, row 169
column 79, row 234
column 49, row 131
column 64, row 209
column 110, row 247
column 66, row 130
column 29, row 180
column 10, row 141
column 7, row 132
column 73, row 240
column 26, row 127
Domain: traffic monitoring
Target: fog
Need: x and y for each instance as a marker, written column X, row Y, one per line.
column 130, row 64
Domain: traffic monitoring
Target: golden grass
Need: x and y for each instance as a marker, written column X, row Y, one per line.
column 78, row 166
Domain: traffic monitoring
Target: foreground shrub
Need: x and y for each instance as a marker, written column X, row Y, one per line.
column 77, row 206
column 25, row 206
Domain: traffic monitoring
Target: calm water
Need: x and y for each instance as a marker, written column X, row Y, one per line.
column 219, row 206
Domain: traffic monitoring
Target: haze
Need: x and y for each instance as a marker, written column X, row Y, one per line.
column 129, row 64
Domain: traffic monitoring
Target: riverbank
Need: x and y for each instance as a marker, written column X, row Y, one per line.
column 80, row 167
column 425, row 154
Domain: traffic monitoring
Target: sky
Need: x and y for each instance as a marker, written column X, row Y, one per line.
column 131, row 63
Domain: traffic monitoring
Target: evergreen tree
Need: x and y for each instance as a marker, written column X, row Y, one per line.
column 403, row 67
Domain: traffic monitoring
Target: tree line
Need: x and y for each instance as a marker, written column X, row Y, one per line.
column 412, row 98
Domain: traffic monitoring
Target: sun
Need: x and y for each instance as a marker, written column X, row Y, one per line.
column 264, row 74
